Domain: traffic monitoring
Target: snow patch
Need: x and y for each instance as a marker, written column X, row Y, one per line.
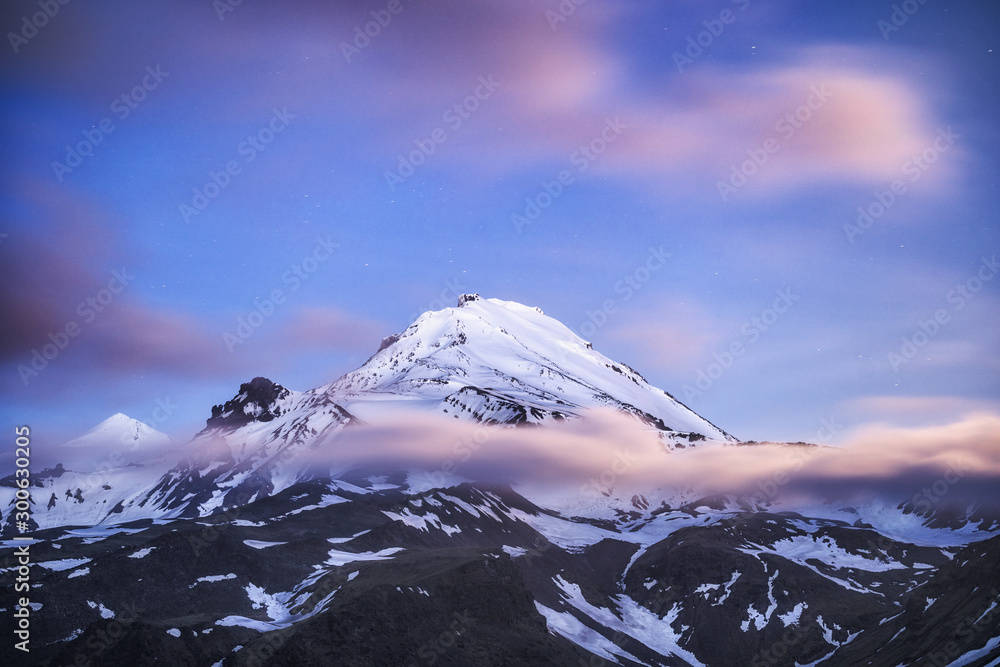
column 212, row 578
column 64, row 564
column 261, row 544
column 514, row 552
column 339, row 558
column 792, row 617
column 422, row 522
column 568, row 626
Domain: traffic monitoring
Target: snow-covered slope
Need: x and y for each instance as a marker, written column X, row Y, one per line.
column 485, row 360
column 502, row 362
column 134, row 440
column 318, row 573
column 255, row 555
column 103, row 477
column 489, row 361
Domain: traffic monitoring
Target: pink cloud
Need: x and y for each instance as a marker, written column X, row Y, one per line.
column 557, row 88
column 878, row 452
column 863, row 127
column 132, row 337
column 917, row 408
column 47, row 268
column 875, row 461
column 675, row 334
column 57, row 276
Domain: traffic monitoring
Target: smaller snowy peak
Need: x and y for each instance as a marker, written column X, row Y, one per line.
column 120, row 429
column 119, row 440
column 259, row 400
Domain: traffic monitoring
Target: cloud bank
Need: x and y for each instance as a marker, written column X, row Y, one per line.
column 959, row 460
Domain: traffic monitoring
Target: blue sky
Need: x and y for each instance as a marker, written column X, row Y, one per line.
column 698, row 170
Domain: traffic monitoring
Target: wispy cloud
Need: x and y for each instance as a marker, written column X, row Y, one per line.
column 890, row 408
column 674, row 334
column 875, row 461
column 329, row 328
column 558, row 87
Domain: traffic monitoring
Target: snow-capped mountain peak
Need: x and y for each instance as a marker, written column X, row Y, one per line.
column 484, row 361
column 505, row 362
column 120, row 430
column 292, row 549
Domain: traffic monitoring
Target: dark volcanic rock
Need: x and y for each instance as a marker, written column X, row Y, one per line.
column 254, row 402
column 335, row 572
column 448, row 607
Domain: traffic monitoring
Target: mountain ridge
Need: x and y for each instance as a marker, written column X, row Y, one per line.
column 258, row 547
